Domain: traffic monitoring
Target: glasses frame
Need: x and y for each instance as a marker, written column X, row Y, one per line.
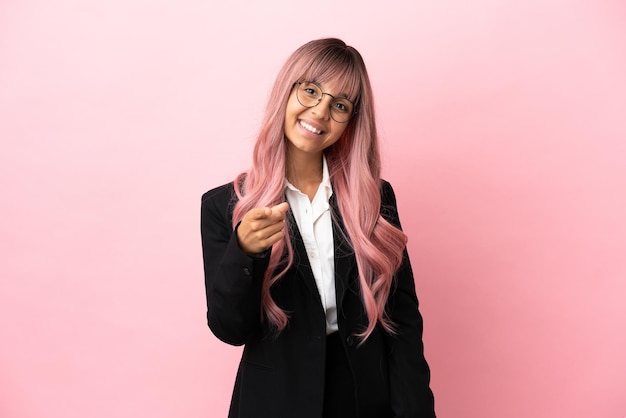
column 354, row 111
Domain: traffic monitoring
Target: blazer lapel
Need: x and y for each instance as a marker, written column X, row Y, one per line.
column 300, row 259
column 344, row 255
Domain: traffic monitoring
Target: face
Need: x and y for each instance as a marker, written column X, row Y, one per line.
column 310, row 130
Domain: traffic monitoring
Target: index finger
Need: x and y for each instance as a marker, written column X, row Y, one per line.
column 281, row 209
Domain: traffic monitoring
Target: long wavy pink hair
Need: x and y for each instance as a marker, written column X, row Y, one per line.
column 354, row 168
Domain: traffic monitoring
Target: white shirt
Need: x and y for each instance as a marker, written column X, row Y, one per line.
column 315, row 225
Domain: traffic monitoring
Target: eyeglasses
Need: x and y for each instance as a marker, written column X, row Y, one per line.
column 310, row 94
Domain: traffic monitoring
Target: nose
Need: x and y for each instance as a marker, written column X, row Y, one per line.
column 322, row 109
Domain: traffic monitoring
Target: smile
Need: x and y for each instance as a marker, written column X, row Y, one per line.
column 309, row 128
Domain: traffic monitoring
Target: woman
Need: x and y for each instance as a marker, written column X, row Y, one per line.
column 305, row 263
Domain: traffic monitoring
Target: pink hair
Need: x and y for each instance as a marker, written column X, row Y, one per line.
column 354, row 168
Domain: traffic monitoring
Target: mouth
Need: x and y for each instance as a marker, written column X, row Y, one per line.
column 310, row 128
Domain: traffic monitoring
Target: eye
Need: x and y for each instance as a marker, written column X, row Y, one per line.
column 342, row 106
column 310, row 90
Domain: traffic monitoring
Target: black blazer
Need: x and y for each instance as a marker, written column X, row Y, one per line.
column 283, row 376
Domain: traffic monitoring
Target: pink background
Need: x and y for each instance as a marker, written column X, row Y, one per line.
column 504, row 133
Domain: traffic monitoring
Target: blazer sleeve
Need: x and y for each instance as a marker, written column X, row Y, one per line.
column 232, row 278
column 411, row 396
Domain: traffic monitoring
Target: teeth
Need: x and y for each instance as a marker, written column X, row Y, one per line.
column 310, row 128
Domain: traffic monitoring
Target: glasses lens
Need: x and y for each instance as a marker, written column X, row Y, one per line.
column 341, row 109
column 310, row 95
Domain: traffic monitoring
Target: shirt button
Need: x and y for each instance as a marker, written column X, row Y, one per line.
column 350, row 340
column 246, row 271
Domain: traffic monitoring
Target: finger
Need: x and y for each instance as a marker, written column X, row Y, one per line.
column 282, row 207
column 274, row 238
column 259, row 213
column 259, row 226
column 259, row 241
column 272, row 229
column 278, row 211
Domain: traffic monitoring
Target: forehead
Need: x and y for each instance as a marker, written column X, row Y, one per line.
column 338, row 86
column 333, row 87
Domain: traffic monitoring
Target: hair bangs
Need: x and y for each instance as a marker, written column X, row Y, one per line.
column 337, row 67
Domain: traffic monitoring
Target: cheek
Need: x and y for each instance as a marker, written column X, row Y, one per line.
column 290, row 112
column 339, row 129
column 291, row 117
column 293, row 107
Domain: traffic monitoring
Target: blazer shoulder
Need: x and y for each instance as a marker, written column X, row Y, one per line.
column 223, row 192
column 387, row 195
column 219, row 202
column 388, row 204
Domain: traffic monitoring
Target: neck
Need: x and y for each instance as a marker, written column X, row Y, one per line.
column 305, row 172
column 303, row 166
